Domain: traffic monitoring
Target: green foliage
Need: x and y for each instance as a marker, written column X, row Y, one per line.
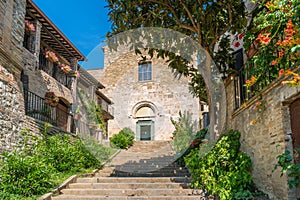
column 123, row 139
column 184, row 132
column 34, row 170
column 25, row 175
column 66, row 153
column 100, row 152
column 243, row 195
column 285, row 161
column 224, row 171
column 93, row 110
column 7, row 196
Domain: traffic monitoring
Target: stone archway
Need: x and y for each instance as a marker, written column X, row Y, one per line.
column 145, row 114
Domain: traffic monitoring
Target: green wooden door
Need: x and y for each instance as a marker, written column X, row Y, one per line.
column 145, row 130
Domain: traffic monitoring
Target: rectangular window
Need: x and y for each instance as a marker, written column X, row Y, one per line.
column 239, row 81
column 145, row 71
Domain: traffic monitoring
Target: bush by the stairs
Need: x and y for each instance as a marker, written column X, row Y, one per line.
column 224, row 171
column 66, row 153
column 123, row 139
column 184, row 133
column 36, row 169
column 25, row 175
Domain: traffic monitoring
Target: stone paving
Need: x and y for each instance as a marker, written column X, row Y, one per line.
column 145, row 171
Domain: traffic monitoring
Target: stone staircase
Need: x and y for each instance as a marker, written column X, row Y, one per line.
column 145, row 171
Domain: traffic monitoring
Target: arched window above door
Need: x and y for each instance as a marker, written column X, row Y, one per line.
column 144, row 112
column 144, row 109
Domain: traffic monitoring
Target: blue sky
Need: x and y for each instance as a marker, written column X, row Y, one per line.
column 85, row 23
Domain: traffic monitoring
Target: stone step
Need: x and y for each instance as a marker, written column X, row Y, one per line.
column 149, row 174
column 134, row 180
column 128, row 192
column 148, row 168
column 128, row 185
column 145, row 171
column 70, row 197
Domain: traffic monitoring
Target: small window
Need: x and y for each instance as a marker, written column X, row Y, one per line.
column 145, row 71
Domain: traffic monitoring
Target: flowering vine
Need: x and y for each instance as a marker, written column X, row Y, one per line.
column 274, row 35
column 295, row 82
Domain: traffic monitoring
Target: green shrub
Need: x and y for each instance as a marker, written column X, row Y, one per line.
column 24, row 175
column 224, row 171
column 286, row 162
column 102, row 153
column 35, row 170
column 184, row 132
column 66, row 153
column 129, row 134
column 123, row 139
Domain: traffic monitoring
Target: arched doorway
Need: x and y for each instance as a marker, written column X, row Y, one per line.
column 145, row 116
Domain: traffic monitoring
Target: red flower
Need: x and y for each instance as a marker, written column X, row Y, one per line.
column 193, row 143
column 281, row 72
column 241, row 36
column 237, row 44
column 278, row 42
column 281, row 53
column 266, row 40
column 274, row 62
column 289, row 24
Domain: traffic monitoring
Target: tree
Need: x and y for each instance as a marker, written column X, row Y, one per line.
column 204, row 21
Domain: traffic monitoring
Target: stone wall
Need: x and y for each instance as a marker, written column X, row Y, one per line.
column 12, row 114
column 165, row 94
column 265, row 134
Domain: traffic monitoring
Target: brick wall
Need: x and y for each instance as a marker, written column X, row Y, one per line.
column 267, row 137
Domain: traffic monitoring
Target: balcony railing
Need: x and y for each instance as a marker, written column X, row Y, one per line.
column 36, row 107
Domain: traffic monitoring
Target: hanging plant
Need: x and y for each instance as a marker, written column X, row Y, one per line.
column 29, row 26
column 51, row 56
column 51, row 99
column 73, row 73
column 65, row 68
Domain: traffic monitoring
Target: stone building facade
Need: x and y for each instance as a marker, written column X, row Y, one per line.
column 89, row 93
column 146, row 95
column 35, row 88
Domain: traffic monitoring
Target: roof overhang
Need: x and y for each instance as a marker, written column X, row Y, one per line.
column 51, row 35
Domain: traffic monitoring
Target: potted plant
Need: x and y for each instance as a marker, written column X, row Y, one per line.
column 51, row 56
column 65, row 68
column 29, row 26
column 51, row 99
column 73, row 73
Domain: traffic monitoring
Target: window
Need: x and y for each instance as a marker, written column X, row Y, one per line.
column 239, row 81
column 145, row 71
